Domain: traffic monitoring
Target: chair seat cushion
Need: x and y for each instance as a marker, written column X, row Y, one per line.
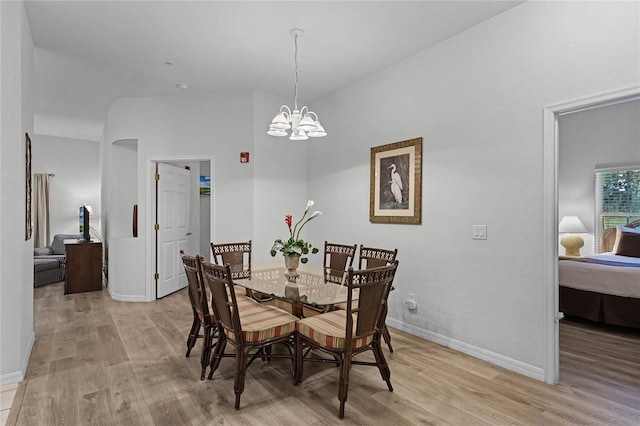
column 239, row 290
column 263, row 322
column 243, row 302
column 329, row 330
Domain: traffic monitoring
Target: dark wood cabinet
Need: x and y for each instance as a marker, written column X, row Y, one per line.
column 83, row 267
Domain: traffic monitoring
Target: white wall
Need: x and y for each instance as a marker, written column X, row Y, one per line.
column 16, row 254
column 280, row 179
column 249, row 200
column 76, row 166
column 596, row 138
column 477, row 100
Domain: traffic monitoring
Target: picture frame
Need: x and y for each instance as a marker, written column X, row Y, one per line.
column 395, row 192
column 28, row 224
column 205, row 185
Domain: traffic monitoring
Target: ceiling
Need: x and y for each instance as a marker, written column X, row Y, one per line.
column 89, row 53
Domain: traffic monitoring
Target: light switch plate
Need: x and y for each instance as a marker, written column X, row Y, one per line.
column 479, row 232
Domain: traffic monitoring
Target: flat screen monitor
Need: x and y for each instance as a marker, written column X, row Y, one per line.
column 84, row 224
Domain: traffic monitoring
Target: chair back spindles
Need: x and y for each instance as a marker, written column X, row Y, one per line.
column 371, row 257
column 236, row 255
column 337, row 259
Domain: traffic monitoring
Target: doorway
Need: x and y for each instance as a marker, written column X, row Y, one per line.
column 173, row 231
column 180, row 218
column 551, row 203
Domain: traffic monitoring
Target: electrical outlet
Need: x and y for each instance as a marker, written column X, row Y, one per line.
column 410, row 303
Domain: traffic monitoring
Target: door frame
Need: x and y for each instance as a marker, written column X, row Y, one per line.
column 550, row 215
column 150, row 291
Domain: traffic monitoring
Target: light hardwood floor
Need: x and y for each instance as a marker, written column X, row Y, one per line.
column 101, row 362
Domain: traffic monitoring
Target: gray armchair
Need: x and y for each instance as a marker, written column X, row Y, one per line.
column 49, row 262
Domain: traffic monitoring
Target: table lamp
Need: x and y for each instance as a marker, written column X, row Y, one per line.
column 572, row 243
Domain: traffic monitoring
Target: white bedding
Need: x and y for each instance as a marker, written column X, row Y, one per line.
column 615, row 280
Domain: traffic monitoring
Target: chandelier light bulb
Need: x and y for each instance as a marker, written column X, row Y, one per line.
column 302, row 122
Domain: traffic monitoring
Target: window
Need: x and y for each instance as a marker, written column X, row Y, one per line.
column 617, row 198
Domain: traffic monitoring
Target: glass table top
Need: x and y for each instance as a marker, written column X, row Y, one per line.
column 309, row 287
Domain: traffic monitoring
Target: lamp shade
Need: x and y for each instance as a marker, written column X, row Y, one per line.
column 318, row 132
column 280, row 122
column 307, row 124
column 276, row 132
column 571, row 224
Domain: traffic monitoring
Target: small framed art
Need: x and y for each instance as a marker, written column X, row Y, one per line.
column 28, row 224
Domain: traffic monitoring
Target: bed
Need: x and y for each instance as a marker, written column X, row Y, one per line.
column 605, row 288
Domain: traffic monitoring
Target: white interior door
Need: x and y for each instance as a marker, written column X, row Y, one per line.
column 173, row 227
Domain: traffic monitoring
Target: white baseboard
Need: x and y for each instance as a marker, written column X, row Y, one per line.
column 126, row 298
column 10, row 378
column 483, row 354
column 18, row 376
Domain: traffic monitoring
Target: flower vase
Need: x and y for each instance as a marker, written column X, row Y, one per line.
column 291, row 262
column 291, row 290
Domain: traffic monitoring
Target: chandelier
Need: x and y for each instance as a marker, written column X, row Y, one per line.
column 302, row 122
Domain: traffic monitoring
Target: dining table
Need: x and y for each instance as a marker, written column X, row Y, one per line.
column 309, row 289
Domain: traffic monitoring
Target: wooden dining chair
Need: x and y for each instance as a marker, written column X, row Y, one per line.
column 337, row 258
column 251, row 329
column 202, row 314
column 371, row 257
column 343, row 334
column 236, row 255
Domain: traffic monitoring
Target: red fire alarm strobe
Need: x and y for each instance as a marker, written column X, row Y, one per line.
column 244, row 157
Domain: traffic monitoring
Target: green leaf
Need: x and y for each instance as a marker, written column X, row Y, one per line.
column 314, row 251
column 304, row 260
column 273, row 253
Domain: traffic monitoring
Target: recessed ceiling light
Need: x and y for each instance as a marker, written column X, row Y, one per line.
column 182, row 86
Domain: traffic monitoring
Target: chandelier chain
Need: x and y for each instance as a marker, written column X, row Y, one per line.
column 302, row 122
column 295, row 60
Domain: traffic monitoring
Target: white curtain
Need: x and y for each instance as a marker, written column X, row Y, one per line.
column 41, row 210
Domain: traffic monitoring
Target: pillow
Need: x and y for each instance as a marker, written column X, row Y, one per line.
column 57, row 246
column 627, row 242
column 58, row 242
column 42, row 251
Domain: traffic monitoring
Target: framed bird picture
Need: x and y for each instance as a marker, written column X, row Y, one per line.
column 395, row 194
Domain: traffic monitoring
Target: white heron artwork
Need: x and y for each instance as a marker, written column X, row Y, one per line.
column 396, row 184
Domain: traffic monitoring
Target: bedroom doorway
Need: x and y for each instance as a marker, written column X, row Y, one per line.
column 551, row 173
